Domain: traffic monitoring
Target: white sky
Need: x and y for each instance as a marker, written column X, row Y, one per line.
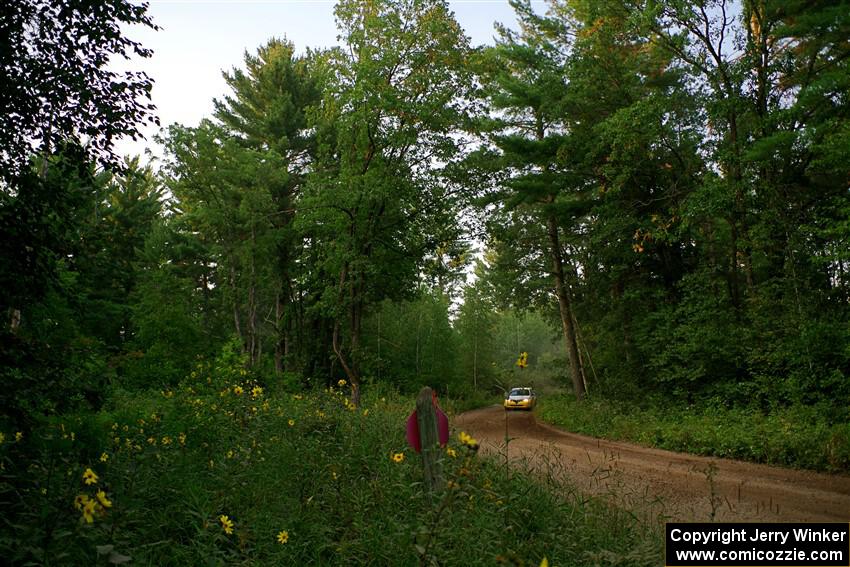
column 200, row 38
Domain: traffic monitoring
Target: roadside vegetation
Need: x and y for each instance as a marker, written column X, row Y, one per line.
column 795, row 436
column 225, row 469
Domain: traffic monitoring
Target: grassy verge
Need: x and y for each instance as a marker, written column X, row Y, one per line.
column 470, row 401
column 795, row 437
column 226, row 471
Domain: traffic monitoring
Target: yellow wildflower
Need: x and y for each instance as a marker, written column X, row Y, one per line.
column 230, row 454
column 365, row 412
column 522, row 361
column 18, row 437
column 104, row 501
column 468, row 440
column 283, row 537
column 342, row 383
column 451, row 452
column 256, row 392
column 291, row 422
column 166, row 440
column 238, row 390
column 182, row 438
column 89, row 508
column 398, row 457
column 226, row 524
column 544, row 563
column 104, row 457
column 80, row 500
column 89, row 477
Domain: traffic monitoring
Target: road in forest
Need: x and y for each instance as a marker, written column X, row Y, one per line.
column 662, row 484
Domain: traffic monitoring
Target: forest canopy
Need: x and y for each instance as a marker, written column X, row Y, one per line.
column 650, row 198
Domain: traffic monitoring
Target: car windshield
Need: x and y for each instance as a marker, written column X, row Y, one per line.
column 520, row 392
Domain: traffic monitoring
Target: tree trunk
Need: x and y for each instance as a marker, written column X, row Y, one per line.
column 380, row 362
column 475, row 361
column 236, row 322
column 252, row 323
column 356, row 326
column 418, row 348
column 354, row 375
column 253, row 339
column 565, row 309
column 349, row 368
column 278, row 346
column 284, row 313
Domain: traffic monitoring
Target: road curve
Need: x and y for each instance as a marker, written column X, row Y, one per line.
column 662, row 484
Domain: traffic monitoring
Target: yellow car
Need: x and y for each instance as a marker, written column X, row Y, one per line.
column 520, row 398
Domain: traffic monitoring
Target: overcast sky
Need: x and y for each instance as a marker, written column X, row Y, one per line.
column 199, row 38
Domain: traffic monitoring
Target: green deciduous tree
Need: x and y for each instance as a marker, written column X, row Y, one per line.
column 56, row 82
column 220, row 193
column 411, row 344
column 375, row 203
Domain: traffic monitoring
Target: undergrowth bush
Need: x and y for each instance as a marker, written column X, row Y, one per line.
column 228, row 470
column 796, row 436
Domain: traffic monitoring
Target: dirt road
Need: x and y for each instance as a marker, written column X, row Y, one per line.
column 662, row 484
